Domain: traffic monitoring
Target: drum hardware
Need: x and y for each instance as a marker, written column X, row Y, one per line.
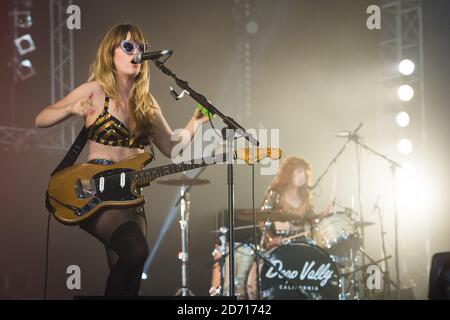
column 287, row 240
column 185, row 185
column 235, row 229
column 372, row 262
column 387, row 281
column 386, row 276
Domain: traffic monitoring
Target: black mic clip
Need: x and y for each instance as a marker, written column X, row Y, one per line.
column 177, row 96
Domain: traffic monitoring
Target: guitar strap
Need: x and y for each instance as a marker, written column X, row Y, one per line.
column 69, row 159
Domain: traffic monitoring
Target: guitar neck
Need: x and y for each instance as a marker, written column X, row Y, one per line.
column 145, row 176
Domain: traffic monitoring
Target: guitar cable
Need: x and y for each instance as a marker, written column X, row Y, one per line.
column 46, row 255
column 255, row 237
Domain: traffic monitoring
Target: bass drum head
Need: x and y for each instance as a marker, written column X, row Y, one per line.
column 296, row 271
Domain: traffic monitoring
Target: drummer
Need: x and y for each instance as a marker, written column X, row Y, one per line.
column 290, row 193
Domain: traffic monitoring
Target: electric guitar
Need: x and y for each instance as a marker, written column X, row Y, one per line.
column 79, row 191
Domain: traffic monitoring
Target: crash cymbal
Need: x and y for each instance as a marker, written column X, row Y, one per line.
column 263, row 215
column 183, row 181
column 363, row 223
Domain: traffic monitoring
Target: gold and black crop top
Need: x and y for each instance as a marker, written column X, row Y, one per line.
column 110, row 131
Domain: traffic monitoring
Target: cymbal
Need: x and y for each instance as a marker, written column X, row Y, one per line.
column 263, row 215
column 363, row 223
column 183, row 181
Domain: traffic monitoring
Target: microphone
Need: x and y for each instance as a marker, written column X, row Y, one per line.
column 348, row 134
column 342, row 134
column 154, row 55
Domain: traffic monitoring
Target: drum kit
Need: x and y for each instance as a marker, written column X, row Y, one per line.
column 322, row 262
column 319, row 262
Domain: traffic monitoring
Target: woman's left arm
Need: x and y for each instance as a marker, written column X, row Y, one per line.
column 166, row 139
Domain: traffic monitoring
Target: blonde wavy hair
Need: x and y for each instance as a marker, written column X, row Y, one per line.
column 103, row 71
column 283, row 179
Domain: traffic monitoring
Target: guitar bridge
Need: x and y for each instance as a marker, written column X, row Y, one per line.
column 84, row 188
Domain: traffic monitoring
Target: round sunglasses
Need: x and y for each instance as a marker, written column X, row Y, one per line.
column 129, row 46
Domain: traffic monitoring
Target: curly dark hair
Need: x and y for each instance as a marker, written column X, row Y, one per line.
column 283, row 179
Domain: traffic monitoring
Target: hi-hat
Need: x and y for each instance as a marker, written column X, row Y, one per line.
column 183, row 181
column 263, row 215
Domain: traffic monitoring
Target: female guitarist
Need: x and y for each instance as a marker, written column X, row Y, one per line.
column 122, row 118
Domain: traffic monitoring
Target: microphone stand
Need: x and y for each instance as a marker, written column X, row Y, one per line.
column 351, row 137
column 394, row 166
column 387, row 279
column 229, row 134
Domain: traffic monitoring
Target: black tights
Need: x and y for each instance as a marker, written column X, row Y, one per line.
column 130, row 245
column 123, row 232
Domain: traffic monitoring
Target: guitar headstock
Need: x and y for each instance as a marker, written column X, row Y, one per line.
column 254, row 155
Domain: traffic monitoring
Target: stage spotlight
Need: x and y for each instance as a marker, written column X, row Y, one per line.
column 252, row 27
column 405, row 92
column 22, row 19
column 405, row 146
column 406, row 67
column 144, row 276
column 439, row 285
column 402, row 119
column 25, row 69
column 25, row 44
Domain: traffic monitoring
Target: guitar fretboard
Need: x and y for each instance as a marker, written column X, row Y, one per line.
column 145, row 176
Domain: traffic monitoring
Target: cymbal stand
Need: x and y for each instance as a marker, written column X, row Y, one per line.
column 184, row 201
column 184, row 254
column 223, row 253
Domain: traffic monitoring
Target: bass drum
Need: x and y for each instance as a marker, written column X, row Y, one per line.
column 296, row 271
